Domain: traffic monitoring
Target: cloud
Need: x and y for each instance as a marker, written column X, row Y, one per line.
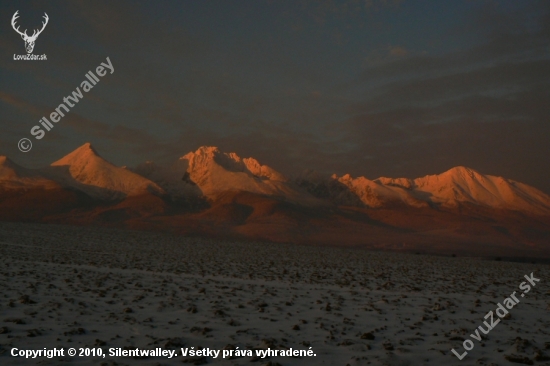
column 22, row 105
column 498, row 79
column 294, row 99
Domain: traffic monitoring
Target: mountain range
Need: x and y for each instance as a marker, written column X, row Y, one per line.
column 212, row 193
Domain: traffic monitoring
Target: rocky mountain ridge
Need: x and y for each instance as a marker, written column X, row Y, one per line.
column 212, row 193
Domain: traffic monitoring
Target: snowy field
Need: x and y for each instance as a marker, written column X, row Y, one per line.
column 64, row 286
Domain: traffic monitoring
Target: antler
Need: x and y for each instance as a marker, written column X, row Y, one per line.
column 35, row 34
column 15, row 16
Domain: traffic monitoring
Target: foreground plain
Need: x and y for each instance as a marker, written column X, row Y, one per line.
column 66, row 286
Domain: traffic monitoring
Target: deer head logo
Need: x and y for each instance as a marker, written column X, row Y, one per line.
column 29, row 41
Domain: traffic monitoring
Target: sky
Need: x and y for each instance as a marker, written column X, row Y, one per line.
column 366, row 87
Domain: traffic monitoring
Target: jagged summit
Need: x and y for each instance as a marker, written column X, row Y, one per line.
column 214, row 171
column 206, row 157
column 210, row 172
column 82, row 153
column 379, row 193
column 87, row 146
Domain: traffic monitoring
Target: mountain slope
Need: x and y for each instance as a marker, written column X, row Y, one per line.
column 173, row 179
column 84, row 170
column 14, row 176
column 25, row 194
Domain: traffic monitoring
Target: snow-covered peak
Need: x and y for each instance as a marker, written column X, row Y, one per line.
column 214, row 172
column 208, row 158
column 82, row 154
column 451, row 189
column 376, row 194
column 85, row 170
column 458, row 175
column 464, row 185
column 263, row 171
